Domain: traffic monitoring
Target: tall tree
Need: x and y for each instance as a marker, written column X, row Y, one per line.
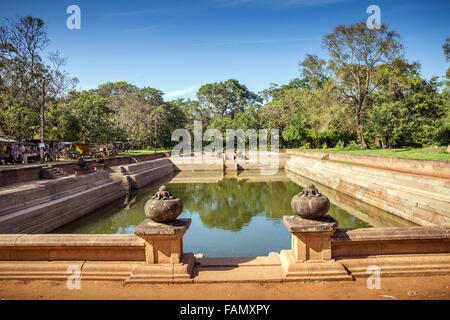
column 356, row 52
column 446, row 48
column 85, row 117
column 226, row 98
column 22, row 42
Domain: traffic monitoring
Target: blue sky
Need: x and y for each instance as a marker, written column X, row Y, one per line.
column 176, row 46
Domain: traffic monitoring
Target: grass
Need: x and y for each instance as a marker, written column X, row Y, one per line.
column 139, row 152
column 407, row 153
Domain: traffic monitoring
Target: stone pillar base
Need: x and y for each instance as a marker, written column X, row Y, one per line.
column 310, row 257
column 164, row 273
column 165, row 260
column 311, row 270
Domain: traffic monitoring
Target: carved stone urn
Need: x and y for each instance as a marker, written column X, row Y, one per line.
column 310, row 203
column 163, row 206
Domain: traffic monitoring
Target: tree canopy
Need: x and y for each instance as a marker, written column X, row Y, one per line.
column 365, row 94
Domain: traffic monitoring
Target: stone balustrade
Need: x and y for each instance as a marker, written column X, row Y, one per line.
column 318, row 253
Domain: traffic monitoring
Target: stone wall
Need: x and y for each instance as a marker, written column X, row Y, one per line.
column 346, row 243
column 17, row 175
column 418, row 251
column 71, row 247
column 415, row 166
column 398, row 252
column 423, row 200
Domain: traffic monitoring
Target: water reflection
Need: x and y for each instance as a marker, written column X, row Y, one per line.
column 239, row 214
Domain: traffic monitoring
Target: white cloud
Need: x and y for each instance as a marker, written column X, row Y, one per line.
column 180, row 92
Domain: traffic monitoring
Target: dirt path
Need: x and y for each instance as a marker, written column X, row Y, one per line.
column 437, row 287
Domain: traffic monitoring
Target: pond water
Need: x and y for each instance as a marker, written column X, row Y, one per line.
column 237, row 216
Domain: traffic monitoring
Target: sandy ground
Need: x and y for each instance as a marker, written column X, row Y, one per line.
column 436, row 287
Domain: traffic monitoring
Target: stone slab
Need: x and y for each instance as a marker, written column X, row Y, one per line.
column 149, row 227
column 391, row 234
column 237, row 274
column 272, row 259
column 37, row 270
column 399, row 265
column 296, row 224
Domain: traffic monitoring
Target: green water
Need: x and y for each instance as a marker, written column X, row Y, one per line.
column 229, row 218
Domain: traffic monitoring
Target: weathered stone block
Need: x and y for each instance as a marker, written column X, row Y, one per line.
column 163, row 241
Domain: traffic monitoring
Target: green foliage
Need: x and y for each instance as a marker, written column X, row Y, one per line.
column 84, row 117
column 306, row 146
column 297, row 130
column 365, row 92
column 432, row 153
column 340, row 145
column 225, row 98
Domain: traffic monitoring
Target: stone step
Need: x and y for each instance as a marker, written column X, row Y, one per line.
column 21, row 205
column 95, row 201
column 25, row 192
column 403, row 197
column 413, row 196
column 415, row 184
column 419, row 181
column 48, row 216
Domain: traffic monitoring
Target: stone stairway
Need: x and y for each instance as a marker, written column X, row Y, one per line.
column 44, row 205
column 137, row 175
column 49, row 172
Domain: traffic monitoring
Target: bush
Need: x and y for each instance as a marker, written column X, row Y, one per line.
column 353, row 146
column 324, row 146
column 306, row 146
column 340, row 145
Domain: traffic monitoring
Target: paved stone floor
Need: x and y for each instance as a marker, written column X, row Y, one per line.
column 410, row 288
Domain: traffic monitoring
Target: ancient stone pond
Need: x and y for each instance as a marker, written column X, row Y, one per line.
column 232, row 215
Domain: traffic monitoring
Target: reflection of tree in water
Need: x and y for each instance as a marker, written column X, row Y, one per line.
column 230, row 205
column 227, row 205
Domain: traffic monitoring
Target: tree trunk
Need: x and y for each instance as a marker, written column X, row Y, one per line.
column 359, row 130
column 41, row 150
column 155, row 136
column 388, row 142
column 382, row 143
